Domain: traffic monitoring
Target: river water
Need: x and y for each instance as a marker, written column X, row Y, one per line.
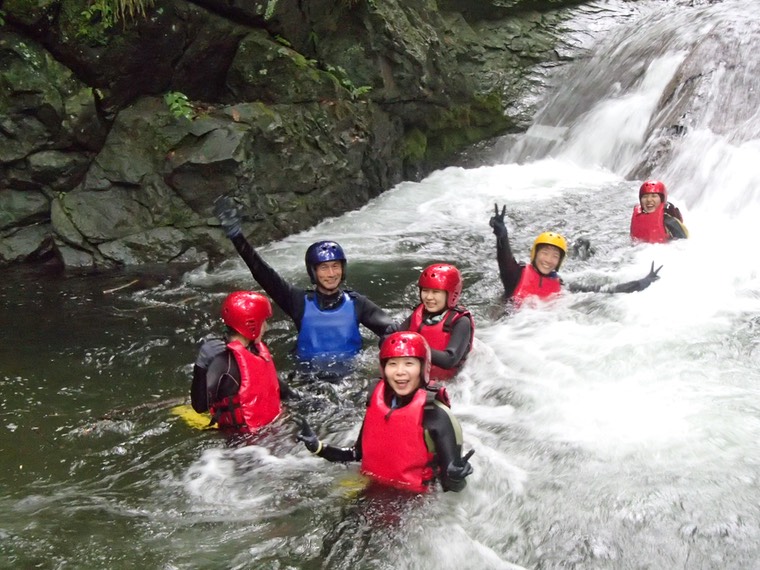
column 609, row 431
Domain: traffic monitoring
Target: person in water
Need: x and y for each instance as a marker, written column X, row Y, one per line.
column 328, row 316
column 655, row 220
column 409, row 437
column 235, row 379
column 539, row 278
column 447, row 326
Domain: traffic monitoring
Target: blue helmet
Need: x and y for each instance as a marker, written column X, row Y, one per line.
column 322, row 251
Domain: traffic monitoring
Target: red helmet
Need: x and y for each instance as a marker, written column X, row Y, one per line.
column 445, row 277
column 654, row 187
column 406, row 343
column 245, row 312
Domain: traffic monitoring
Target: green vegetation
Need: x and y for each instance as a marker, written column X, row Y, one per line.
column 179, row 105
column 269, row 12
column 415, row 146
column 342, row 76
column 102, row 15
column 2, row 18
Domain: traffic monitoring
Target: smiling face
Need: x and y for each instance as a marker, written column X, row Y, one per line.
column 547, row 258
column 433, row 299
column 650, row 202
column 329, row 274
column 403, row 374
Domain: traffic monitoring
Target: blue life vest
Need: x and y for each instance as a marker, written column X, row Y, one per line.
column 329, row 335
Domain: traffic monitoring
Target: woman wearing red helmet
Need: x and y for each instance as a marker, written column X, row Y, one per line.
column 409, row 437
column 447, row 326
column 235, row 379
column 540, row 278
column 655, row 220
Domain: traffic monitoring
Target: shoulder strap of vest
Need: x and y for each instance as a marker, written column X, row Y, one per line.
column 437, row 397
column 454, row 315
column 437, row 393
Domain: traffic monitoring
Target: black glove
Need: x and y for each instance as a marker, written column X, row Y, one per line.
column 460, row 469
column 582, row 248
column 497, row 222
column 307, row 435
column 228, row 215
column 651, row 278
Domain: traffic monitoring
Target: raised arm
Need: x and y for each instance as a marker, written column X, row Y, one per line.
column 628, row 287
column 287, row 297
column 509, row 269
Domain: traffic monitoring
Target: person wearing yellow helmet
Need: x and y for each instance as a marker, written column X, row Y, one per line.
column 539, row 278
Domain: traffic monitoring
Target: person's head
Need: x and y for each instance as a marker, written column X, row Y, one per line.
column 651, row 194
column 440, row 287
column 326, row 265
column 548, row 252
column 246, row 312
column 405, row 362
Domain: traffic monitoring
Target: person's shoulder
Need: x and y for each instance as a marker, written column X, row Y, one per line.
column 356, row 296
column 210, row 348
column 438, row 413
column 675, row 227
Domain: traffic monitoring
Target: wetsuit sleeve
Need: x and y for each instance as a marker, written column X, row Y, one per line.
column 286, row 392
column 509, row 269
column 370, row 315
column 198, row 397
column 343, row 454
column 290, row 299
column 458, row 346
column 208, row 351
column 446, row 433
column 219, row 380
column 675, row 229
column 394, row 327
column 627, row 287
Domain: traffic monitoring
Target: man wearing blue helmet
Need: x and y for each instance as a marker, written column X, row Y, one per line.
column 328, row 316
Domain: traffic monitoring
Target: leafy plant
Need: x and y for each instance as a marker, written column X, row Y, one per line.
column 102, row 15
column 179, row 105
column 2, row 18
column 345, row 81
column 269, row 12
column 131, row 8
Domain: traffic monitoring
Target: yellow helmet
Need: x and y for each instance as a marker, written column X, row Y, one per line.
column 550, row 238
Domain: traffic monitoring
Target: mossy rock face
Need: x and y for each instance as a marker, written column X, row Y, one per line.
column 300, row 110
column 48, row 116
column 30, row 12
column 272, row 72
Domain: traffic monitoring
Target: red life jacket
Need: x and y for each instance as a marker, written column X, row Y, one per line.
column 439, row 334
column 257, row 401
column 649, row 227
column 394, row 451
column 533, row 283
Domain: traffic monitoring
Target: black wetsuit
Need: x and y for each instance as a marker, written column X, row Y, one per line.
column 674, row 227
column 510, row 272
column 292, row 300
column 459, row 343
column 444, row 430
column 216, row 376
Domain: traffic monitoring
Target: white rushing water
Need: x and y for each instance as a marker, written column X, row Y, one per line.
column 610, row 431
